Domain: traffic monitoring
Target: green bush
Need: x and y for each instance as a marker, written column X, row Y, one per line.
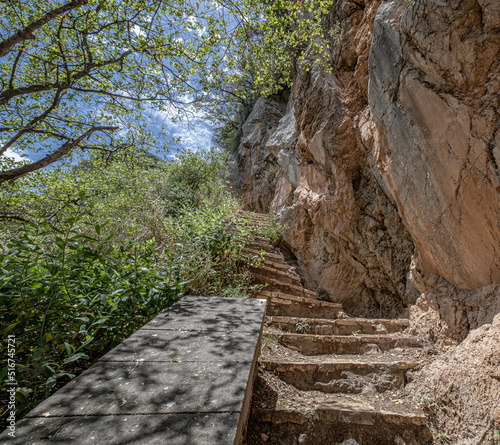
column 69, row 294
column 104, row 251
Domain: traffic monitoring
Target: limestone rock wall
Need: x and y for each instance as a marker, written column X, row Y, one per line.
column 434, row 96
column 386, row 172
column 386, row 168
column 253, row 169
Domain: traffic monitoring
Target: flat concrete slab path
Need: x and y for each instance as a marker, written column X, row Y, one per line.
column 185, row 378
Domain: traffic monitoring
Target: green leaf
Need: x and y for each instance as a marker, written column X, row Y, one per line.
column 74, row 357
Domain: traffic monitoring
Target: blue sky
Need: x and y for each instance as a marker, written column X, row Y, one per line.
column 195, row 132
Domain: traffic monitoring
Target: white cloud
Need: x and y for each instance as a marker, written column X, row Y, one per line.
column 13, row 155
column 138, row 31
column 192, row 128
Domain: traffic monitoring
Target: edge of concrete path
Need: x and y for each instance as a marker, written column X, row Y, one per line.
column 247, row 400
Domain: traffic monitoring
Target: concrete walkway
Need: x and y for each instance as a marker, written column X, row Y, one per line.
column 184, row 378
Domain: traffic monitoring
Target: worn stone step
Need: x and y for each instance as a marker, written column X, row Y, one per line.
column 310, row 295
column 264, row 294
column 288, row 307
column 347, row 344
column 279, row 266
column 265, row 277
column 342, row 376
column 339, row 326
column 260, row 239
column 266, row 247
column 271, row 256
column 278, row 286
column 282, row 275
column 274, row 285
column 336, row 421
column 283, row 414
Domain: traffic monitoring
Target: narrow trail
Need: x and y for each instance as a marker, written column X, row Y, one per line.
column 324, row 377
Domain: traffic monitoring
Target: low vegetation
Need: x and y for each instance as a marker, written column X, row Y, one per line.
column 91, row 253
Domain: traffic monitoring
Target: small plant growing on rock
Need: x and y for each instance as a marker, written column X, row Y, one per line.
column 302, row 327
column 336, row 32
column 443, row 437
column 428, row 403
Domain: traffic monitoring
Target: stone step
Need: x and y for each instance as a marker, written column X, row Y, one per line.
column 269, row 272
column 281, row 287
column 279, row 266
column 304, row 307
column 260, row 239
column 260, row 246
column 347, row 344
column 336, row 420
column 341, row 376
column 339, row 326
column 274, row 257
column 310, row 295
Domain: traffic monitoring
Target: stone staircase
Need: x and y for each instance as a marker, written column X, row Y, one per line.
column 326, row 378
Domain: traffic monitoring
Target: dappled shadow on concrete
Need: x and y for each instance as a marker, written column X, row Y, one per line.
column 171, row 429
column 150, row 388
column 181, row 379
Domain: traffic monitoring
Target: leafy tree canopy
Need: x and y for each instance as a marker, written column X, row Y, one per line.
column 90, row 75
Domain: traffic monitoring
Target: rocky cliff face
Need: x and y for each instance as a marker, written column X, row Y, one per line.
column 386, row 170
column 253, row 171
column 343, row 227
column 434, row 96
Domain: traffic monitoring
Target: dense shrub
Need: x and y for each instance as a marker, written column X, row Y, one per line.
column 103, row 251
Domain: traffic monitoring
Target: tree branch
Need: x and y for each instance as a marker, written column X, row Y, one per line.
column 62, row 151
column 119, row 96
column 29, row 128
column 14, row 218
column 27, row 32
column 7, row 95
